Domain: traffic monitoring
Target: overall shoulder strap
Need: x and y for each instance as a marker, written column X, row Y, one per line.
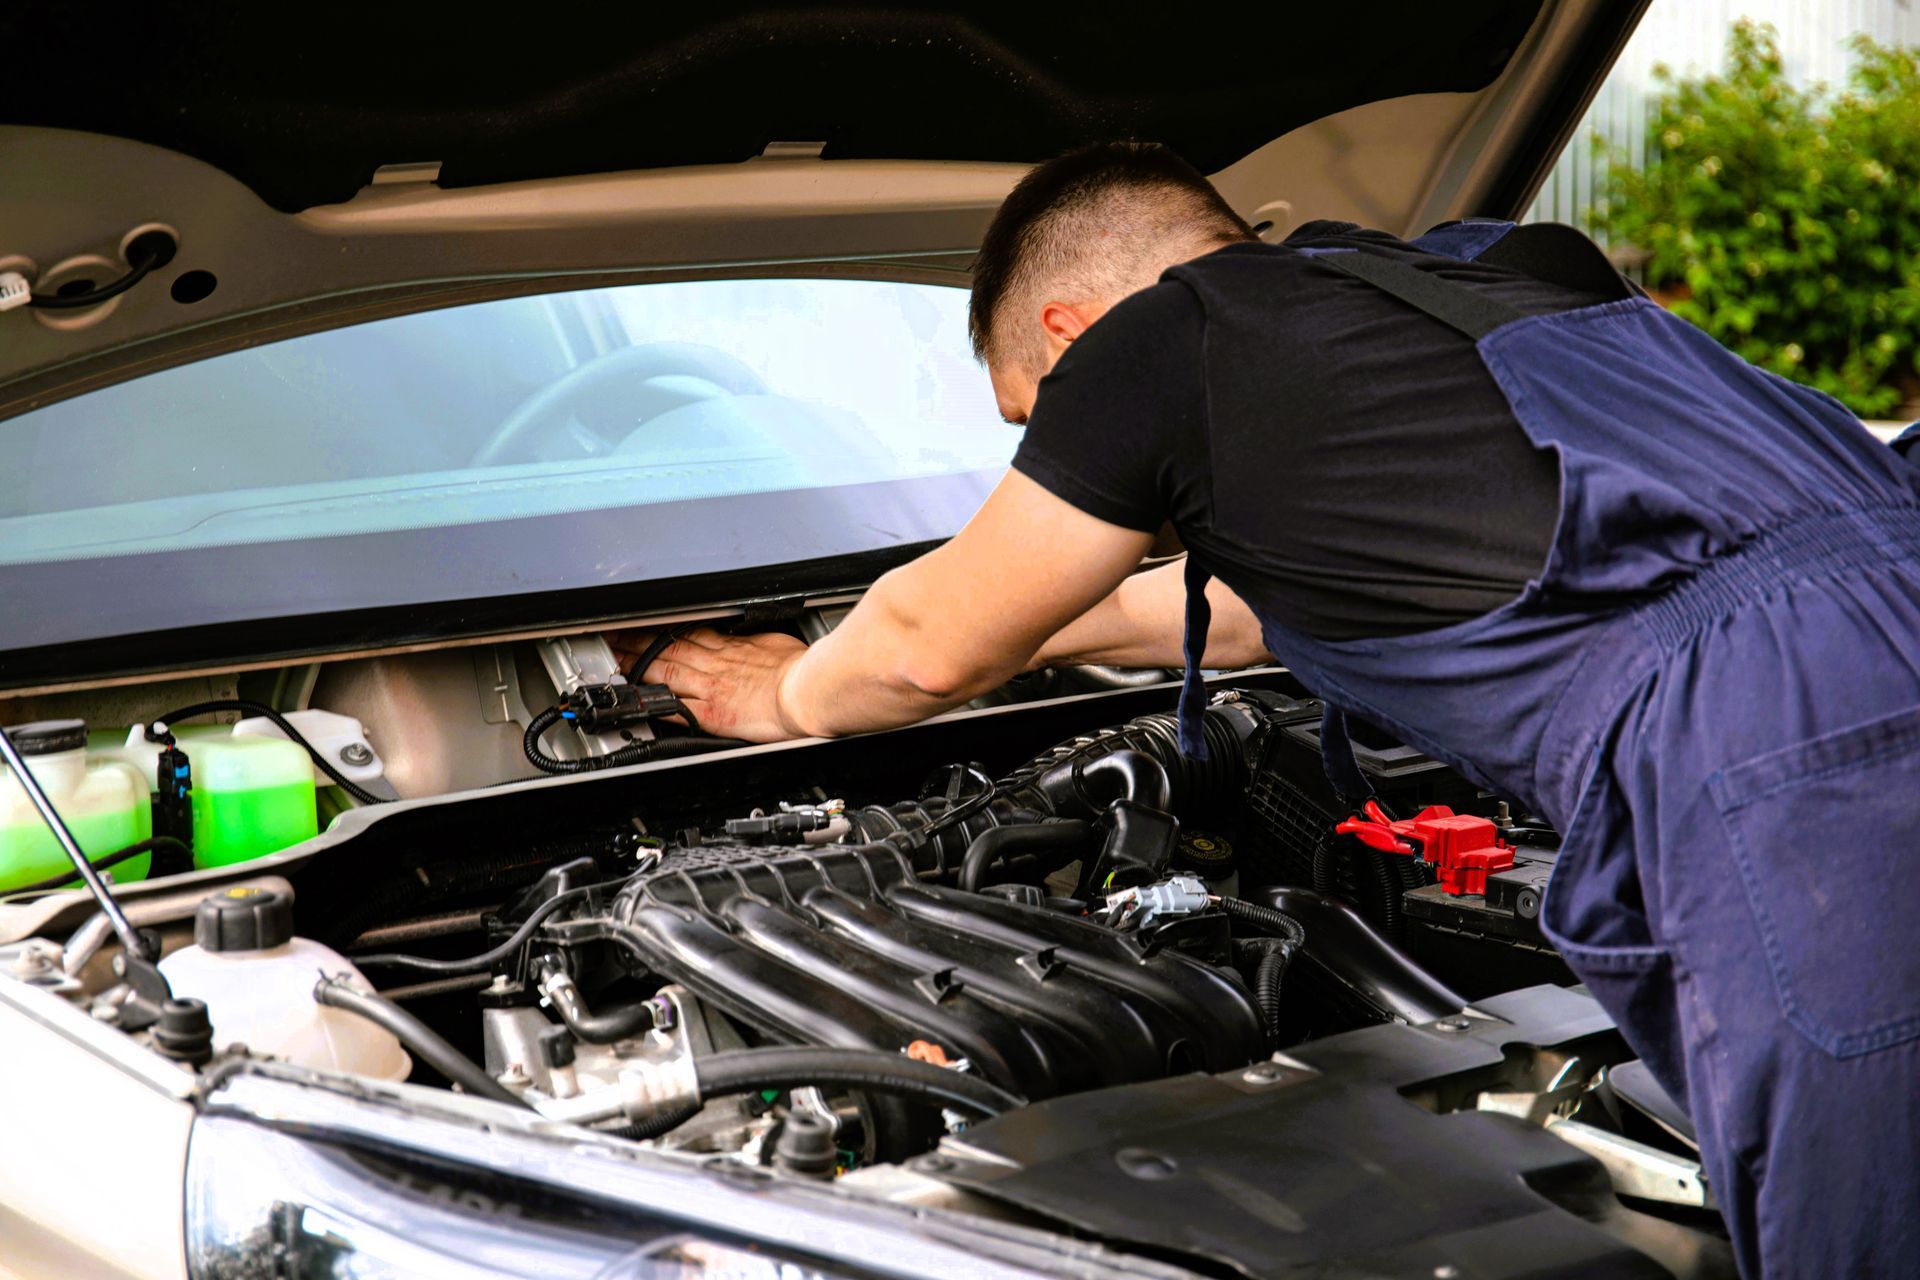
column 1464, row 309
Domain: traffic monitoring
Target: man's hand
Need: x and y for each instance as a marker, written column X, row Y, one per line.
column 730, row 683
column 927, row 637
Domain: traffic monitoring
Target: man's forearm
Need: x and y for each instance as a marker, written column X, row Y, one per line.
column 882, row 667
column 928, row 636
column 1143, row 622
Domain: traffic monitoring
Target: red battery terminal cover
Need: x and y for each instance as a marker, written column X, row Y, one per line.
column 1461, row 847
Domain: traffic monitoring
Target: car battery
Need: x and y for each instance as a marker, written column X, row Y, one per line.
column 1293, row 812
column 1509, row 910
column 1458, row 931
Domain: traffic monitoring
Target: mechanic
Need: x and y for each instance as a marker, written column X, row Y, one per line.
column 1475, row 489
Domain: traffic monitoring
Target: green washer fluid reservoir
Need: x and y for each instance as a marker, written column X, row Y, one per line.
column 251, row 796
column 103, row 802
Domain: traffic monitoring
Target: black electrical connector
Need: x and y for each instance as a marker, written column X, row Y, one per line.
column 605, row 708
column 173, row 777
column 602, row 708
column 285, row 726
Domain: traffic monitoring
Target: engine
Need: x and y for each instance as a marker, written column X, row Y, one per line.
column 997, row 963
column 857, row 965
column 1071, row 925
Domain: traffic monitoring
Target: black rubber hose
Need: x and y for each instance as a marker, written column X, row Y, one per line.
column 996, row 843
column 1125, row 774
column 285, row 726
column 622, row 1023
column 1367, row 966
column 751, row 1070
column 494, row 955
column 113, row 859
column 423, row 1041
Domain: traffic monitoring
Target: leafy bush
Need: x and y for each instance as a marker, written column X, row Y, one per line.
column 1786, row 222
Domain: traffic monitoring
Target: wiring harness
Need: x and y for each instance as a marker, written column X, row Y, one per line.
column 604, row 708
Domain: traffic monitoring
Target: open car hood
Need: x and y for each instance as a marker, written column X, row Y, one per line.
column 354, row 169
column 363, row 172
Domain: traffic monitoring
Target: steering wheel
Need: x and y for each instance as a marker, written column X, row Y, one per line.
column 621, row 386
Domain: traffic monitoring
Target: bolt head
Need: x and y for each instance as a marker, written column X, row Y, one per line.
column 356, row 754
column 29, row 962
column 1453, row 1024
column 1148, row 1166
column 1261, row 1073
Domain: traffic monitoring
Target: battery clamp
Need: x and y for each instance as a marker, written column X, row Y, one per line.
column 1462, row 848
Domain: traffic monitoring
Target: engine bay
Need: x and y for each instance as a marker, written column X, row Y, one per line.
column 1025, row 960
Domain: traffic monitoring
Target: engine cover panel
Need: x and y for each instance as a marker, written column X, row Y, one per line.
column 1321, row 1164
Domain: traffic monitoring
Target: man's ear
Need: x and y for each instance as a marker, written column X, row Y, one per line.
column 1063, row 323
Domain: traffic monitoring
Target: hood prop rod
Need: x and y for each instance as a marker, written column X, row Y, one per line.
column 130, row 938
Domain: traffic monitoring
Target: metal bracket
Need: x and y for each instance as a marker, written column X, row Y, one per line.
column 573, row 662
column 1636, row 1168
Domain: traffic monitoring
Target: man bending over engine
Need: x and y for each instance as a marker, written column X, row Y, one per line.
column 1476, row 490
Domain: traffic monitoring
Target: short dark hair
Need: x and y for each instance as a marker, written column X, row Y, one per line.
column 1119, row 197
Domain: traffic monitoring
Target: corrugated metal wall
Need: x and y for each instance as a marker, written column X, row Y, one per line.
column 1690, row 36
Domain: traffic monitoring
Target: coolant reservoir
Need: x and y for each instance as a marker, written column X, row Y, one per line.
column 104, row 802
column 258, row 980
column 251, row 796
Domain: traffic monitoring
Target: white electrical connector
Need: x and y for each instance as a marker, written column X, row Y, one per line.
column 15, row 291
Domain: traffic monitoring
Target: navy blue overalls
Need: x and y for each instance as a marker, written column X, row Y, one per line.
column 1713, row 691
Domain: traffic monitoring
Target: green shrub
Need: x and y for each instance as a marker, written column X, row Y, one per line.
column 1786, row 222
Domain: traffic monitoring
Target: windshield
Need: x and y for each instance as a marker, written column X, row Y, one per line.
column 523, row 445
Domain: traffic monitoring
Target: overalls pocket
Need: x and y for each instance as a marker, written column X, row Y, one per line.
column 1594, row 915
column 1824, row 835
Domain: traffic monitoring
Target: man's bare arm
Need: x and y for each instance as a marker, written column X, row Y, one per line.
column 1142, row 623
column 928, row 636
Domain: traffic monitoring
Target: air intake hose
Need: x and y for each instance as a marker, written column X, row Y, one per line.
column 1138, row 760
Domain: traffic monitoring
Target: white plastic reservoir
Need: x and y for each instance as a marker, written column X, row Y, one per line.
column 258, row 980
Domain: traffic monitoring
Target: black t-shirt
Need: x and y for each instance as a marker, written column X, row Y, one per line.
column 1357, row 462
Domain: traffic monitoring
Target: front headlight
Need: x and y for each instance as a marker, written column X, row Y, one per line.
column 264, row 1204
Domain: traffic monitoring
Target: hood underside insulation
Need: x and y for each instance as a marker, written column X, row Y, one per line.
column 303, row 115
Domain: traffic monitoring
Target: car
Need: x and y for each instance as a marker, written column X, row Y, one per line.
column 377, row 387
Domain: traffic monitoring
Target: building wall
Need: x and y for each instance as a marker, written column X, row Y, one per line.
column 1690, row 36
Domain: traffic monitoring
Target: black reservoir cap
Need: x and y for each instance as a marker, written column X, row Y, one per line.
column 49, row 737
column 242, row 919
